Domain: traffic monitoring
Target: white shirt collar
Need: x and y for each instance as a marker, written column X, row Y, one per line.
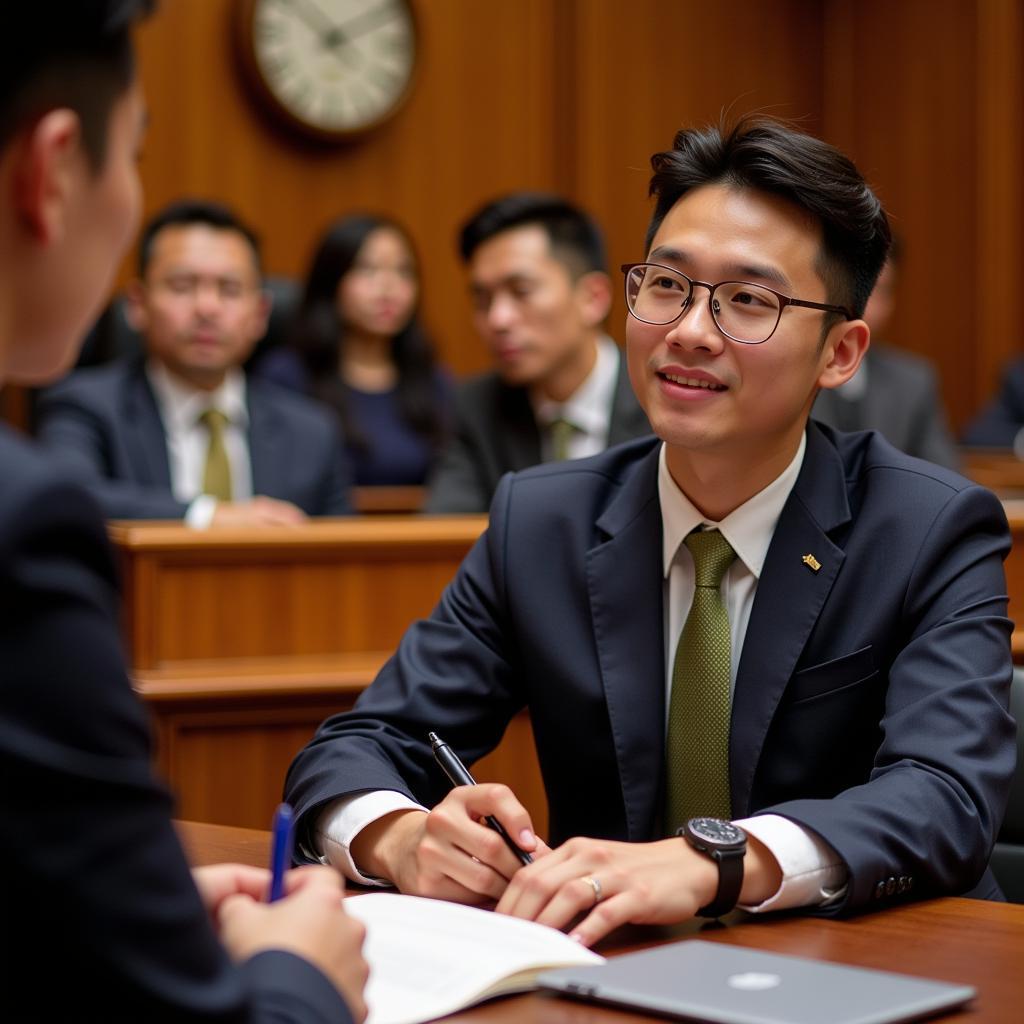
column 749, row 528
column 181, row 404
column 588, row 408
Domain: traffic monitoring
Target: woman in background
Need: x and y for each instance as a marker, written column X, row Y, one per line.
column 358, row 345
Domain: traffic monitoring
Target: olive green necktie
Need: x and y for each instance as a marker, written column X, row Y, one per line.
column 561, row 434
column 697, row 743
column 217, row 470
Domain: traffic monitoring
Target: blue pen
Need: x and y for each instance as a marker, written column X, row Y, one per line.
column 281, row 850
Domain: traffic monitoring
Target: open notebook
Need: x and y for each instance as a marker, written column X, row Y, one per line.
column 429, row 958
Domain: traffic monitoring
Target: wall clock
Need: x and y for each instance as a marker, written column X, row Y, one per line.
column 333, row 69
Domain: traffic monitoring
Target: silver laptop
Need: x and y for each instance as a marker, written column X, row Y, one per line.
column 723, row 984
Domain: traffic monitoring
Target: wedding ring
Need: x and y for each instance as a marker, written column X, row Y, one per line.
column 596, row 886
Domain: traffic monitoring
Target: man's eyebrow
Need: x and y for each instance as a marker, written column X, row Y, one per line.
column 509, row 281
column 734, row 271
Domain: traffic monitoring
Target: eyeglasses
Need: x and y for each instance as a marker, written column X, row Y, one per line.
column 747, row 313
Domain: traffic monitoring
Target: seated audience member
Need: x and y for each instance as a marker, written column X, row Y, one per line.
column 102, row 919
column 559, row 389
column 1001, row 423
column 185, row 431
column 766, row 662
column 358, row 345
column 894, row 392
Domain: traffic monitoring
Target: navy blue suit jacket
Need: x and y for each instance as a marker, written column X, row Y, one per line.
column 871, row 695
column 103, row 424
column 100, row 917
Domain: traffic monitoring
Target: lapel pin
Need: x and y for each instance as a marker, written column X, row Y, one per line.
column 811, row 562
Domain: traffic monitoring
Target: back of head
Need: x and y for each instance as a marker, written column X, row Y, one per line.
column 765, row 155
column 575, row 239
column 58, row 54
column 189, row 213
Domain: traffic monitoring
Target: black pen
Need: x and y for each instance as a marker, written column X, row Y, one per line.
column 459, row 776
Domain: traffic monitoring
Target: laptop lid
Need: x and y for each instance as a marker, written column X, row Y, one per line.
column 724, row 984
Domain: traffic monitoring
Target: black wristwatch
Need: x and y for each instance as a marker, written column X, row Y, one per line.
column 726, row 844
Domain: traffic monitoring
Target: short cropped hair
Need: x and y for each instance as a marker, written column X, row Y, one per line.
column 765, row 155
column 575, row 238
column 76, row 55
column 188, row 212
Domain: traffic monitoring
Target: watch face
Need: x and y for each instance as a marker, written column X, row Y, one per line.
column 333, row 66
column 716, row 832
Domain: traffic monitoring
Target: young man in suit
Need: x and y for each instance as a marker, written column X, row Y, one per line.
column 102, row 919
column 559, row 389
column 765, row 662
column 140, row 432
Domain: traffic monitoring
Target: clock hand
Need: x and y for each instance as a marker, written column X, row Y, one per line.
column 367, row 21
column 313, row 16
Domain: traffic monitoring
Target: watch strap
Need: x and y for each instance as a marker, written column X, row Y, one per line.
column 730, row 882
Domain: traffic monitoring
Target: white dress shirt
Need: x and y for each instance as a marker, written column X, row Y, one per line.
column 588, row 408
column 812, row 872
column 180, row 406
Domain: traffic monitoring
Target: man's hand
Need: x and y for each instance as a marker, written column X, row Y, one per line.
column 662, row 882
column 309, row 921
column 449, row 853
column 259, row 511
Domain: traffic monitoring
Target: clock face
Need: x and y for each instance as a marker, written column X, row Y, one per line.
column 333, row 67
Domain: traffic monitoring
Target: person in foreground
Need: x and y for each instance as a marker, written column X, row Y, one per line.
column 102, row 919
column 765, row 662
column 186, row 432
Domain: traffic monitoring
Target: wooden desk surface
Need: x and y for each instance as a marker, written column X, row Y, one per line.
column 966, row 941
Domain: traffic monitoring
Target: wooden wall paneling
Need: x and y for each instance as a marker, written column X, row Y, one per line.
column 926, row 96
column 999, row 270
column 644, row 70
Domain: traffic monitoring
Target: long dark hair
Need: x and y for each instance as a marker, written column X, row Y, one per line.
column 319, row 334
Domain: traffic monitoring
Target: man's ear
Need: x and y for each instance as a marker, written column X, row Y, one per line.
column 594, row 294
column 135, row 306
column 845, row 347
column 44, row 179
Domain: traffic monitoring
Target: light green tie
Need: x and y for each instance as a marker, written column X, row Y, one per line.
column 697, row 743
column 561, row 434
column 217, row 470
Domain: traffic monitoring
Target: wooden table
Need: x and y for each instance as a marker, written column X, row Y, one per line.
column 967, row 941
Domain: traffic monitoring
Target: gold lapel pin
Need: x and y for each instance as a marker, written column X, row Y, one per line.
column 811, row 562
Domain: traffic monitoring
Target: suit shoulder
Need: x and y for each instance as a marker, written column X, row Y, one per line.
column 37, row 493
column 92, row 383
column 299, row 409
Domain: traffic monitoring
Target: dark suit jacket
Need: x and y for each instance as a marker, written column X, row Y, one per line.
column 496, row 433
column 101, row 920
column 902, row 402
column 871, row 695
column 998, row 424
column 103, row 424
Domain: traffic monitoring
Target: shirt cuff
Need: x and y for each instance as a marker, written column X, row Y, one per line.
column 813, row 874
column 199, row 514
column 343, row 819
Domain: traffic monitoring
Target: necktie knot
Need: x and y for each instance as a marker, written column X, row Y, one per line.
column 214, row 420
column 712, row 556
column 561, row 431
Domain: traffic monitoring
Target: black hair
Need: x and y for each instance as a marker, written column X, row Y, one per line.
column 575, row 238
column 319, row 335
column 186, row 212
column 759, row 153
column 76, row 55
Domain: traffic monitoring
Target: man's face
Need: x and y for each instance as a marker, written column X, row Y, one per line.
column 92, row 215
column 703, row 392
column 535, row 318
column 200, row 306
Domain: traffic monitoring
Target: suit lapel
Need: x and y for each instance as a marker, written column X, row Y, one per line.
column 625, row 585
column 518, row 435
column 789, row 599
column 145, row 440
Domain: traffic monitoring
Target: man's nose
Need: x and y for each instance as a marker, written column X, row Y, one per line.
column 501, row 312
column 696, row 327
